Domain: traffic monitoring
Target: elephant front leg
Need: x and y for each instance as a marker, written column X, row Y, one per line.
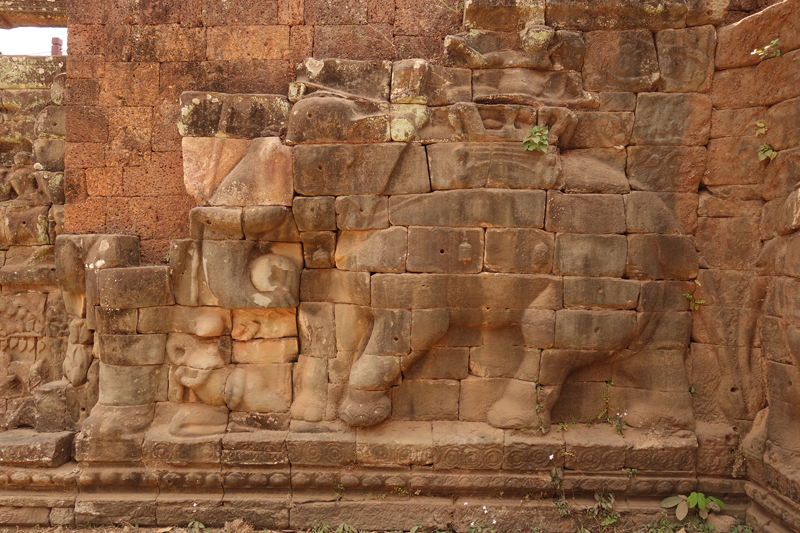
column 377, row 369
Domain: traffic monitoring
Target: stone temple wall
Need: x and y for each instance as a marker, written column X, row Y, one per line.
column 378, row 308
column 33, row 320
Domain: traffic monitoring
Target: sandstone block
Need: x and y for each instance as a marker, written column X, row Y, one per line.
column 315, row 213
column 263, row 324
column 577, row 255
column 783, row 131
column 658, row 370
column 600, row 293
column 734, row 288
column 478, row 207
column 319, row 248
column 116, row 321
column 335, row 286
column 503, row 16
column 337, row 444
column 129, row 350
column 200, row 321
column 362, row 212
column 445, row 250
column 732, row 122
column 480, row 447
column 259, row 388
column 620, row 61
column 529, row 87
column 317, row 329
column 331, row 120
column 585, row 213
column 426, row 399
column 427, row 291
column 471, row 165
column 26, row 447
column 51, row 123
column 648, row 212
column 416, row 81
column 672, row 451
column 395, row 443
column 205, row 114
column 668, row 330
column 478, row 395
column 235, row 172
column 310, row 393
column 760, row 85
column 440, row 362
column 612, row 15
column 672, row 119
column 728, row 242
column 196, row 352
column 602, row 130
column 535, row 46
column 725, row 326
column 594, row 330
column 255, row 448
column 132, row 385
column 737, row 41
column 661, row 257
column 269, row 223
column 500, row 359
column 216, row 223
column 394, row 168
column 127, row 288
column 50, row 153
column 372, row 251
column 522, row 250
column 686, row 58
column 731, row 161
column 363, row 79
column 666, row 168
column 247, row 275
column 463, row 122
column 781, row 174
column 596, row 170
column 529, row 451
column 265, row 351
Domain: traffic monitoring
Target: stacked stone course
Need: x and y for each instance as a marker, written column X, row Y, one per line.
column 376, row 288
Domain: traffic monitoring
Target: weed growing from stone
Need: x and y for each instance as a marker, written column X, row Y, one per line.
column 319, row 527
column 345, row 528
column 338, row 492
column 771, row 50
column 766, row 151
column 195, row 526
column 704, row 504
column 562, row 506
column 536, row 139
column 694, row 304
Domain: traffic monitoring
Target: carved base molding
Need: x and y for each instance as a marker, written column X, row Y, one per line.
column 292, row 479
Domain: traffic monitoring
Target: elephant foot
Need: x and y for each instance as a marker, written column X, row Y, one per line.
column 521, row 407
column 198, row 420
column 308, row 406
column 365, row 408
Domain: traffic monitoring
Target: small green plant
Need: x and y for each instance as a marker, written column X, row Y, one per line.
column 694, row 304
column 406, row 492
column 338, row 492
column 765, row 151
column 319, row 527
column 482, row 527
column 562, row 506
column 557, row 475
column 682, row 504
column 195, row 526
column 345, row 528
column 761, row 129
column 771, row 50
column 537, row 139
column 631, row 472
column 417, row 529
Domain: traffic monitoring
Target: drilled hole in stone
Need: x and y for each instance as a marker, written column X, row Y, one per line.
column 597, row 330
column 319, row 167
column 441, row 251
column 734, row 389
